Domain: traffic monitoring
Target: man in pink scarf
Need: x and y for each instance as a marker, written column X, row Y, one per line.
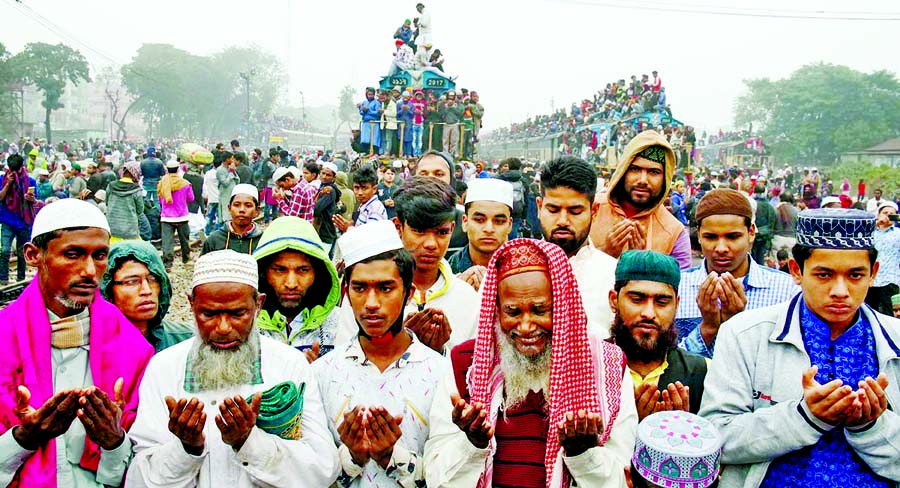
column 535, row 401
column 70, row 362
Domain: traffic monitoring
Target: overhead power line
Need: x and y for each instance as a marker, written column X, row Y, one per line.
column 751, row 12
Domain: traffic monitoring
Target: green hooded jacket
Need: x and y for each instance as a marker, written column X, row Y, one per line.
column 296, row 234
column 163, row 333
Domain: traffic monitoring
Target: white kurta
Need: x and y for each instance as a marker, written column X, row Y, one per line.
column 347, row 379
column 264, row 459
column 595, row 272
column 451, row 461
column 453, row 296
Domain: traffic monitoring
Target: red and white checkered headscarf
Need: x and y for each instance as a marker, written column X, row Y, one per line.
column 573, row 372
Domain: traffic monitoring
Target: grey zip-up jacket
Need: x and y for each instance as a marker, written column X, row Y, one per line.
column 753, row 393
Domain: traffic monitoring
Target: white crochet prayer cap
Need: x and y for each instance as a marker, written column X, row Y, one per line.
column 368, row 240
column 279, row 173
column 226, row 266
column 68, row 213
column 490, row 190
column 330, row 166
column 245, row 189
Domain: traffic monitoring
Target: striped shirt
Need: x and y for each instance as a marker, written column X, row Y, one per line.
column 302, row 201
column 763, row 287
column 371, row 211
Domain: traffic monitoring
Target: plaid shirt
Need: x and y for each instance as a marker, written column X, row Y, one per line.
column 302, row 202
column 763, row 287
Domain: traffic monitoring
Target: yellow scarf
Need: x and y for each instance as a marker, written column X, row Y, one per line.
column 169, row 184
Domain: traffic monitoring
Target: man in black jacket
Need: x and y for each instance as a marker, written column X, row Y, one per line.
column 520, row 184
column 645, row 301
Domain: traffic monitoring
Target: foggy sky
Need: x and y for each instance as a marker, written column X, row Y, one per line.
column 519, row 55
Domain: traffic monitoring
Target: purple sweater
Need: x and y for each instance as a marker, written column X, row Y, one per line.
column 177, row 211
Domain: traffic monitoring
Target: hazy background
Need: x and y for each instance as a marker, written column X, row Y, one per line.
column 521, row 56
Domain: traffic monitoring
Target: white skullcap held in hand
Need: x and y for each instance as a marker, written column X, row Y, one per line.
column 490, row 190
column 365, row 241
column 68, row 213
column 226, row 266
column 280, row 173
column 245, row 189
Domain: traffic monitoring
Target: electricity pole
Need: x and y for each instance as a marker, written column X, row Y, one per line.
column 246, row 77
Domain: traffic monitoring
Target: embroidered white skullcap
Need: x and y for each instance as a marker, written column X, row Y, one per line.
column 330, row 166
column 297, row 172
column 491, row 190
column 173, row 164
column 225, row 266
column 245, row 189
column 280, row 173
column 368, row 240
column 68, row 213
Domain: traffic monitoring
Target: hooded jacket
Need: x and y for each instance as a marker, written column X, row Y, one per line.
column 661, row 228
column 224, row 238
column 125, row 205
column 296, row 234
column 163, row 333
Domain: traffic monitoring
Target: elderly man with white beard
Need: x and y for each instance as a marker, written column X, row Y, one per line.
column 270, row 427
column 535, row 401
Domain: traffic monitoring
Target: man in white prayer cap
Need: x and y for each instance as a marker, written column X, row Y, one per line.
column 241, row 233
column 487, row 222
column 270, row 427
column 378, row 387
column 62, row 359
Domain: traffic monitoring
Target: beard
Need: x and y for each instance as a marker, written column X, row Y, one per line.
column 569, row 245
column 522, row 374
column 643, row 349
column 216, row 369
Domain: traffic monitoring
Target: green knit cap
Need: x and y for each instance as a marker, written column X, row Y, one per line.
column 895, row 300
column 648, row 266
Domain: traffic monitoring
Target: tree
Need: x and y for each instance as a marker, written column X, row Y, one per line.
column 348, row 112
column 8, row 107
column 182, row 93
column 49, row 68
column 821, row 111
column 121, row 103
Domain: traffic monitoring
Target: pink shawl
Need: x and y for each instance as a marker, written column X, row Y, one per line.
column 117, row 349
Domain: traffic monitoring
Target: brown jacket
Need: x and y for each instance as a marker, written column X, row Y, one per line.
column 660, row 227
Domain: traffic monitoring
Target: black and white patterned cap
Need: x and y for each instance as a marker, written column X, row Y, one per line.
column 835, row 228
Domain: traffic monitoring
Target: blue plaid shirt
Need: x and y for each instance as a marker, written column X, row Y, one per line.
column 763, row 287
column 888, row 244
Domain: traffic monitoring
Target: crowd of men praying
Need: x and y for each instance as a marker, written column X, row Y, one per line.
column 599, row 354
